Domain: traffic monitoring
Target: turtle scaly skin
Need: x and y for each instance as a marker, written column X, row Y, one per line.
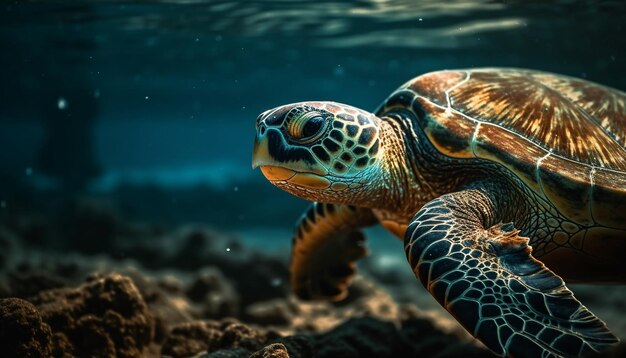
column 471, row 168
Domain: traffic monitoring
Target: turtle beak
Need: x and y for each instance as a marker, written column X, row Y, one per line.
column 262, row 158
column 260, row 152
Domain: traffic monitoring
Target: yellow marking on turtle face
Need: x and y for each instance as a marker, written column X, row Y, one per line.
column 274, row 173
column 310, row 180
column 260, row 153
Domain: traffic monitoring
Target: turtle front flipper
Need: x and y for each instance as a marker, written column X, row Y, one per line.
column 485, row 275
column 326, row 245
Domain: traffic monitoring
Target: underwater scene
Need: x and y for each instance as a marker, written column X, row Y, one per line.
column 159, row 160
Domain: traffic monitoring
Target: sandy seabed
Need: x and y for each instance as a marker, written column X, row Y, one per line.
column 104, row 287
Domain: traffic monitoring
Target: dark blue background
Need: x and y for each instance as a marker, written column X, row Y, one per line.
column 161, row 96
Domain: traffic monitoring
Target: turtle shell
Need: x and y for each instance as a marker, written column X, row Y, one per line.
column 565, row 138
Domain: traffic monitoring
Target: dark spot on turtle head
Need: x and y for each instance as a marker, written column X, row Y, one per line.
column 346, row 157
column 349, row 144
column 321, row 153
column 358, row 150
column 275, row 118
column 338, row 124
column 374, row 149
column 330, row 208
column 319, row 209
column 340, row 168
column 282, row 152
column 337, row 135
column 330, row 145
column 345, row 117
column 363, row 120
column 352, row 130
column 367, row 134
column 361, row 162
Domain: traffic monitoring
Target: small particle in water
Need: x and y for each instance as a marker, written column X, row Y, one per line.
column 613, row 58
column 29, row 171
column 96, row 93
column 197, row 39
column 147, row 97
column 218, row 38
column 420, row 19
column 3, row 204
column 228, row 249
column 62, row 103
column 338, row 71
column 236, row 188
column 276, row 281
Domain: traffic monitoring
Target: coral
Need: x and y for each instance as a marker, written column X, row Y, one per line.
column 274, row 350
column 22, row 331
column 191, row 338
column 184, row 294
column 215, row 294
column 105, row 317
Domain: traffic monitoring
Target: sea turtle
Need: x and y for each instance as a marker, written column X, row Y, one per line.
column 467, row 166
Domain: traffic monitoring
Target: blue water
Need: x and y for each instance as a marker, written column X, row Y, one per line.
column 151, row 104
column 134, row 118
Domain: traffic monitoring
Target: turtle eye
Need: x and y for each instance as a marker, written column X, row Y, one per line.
column 312, row 127
column 308, row 127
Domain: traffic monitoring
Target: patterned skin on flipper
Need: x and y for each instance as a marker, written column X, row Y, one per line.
column 486, row 277
column 325, row 248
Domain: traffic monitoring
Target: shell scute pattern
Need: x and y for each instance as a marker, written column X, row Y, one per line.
column 571, row 196
column 539, row 126
column 608, row 197
column 515, row 101
column 607, row 105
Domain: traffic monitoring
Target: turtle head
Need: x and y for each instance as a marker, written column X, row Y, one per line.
column 319, row 151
